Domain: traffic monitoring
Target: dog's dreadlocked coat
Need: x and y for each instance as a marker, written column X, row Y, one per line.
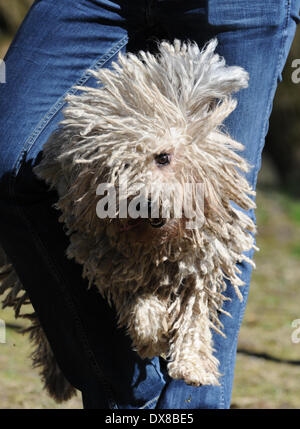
column 156, row 119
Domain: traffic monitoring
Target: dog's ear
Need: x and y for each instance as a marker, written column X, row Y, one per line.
column 212, row 75
column 200, row 78
column 203, row 71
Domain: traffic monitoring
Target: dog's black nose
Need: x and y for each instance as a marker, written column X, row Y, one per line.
column 157, row 222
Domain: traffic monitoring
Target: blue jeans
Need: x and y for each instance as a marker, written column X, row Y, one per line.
column 53, row 50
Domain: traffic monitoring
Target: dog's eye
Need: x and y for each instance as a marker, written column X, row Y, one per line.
column 162, row 159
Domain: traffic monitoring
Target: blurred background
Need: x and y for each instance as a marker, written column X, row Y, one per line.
column 268, row 361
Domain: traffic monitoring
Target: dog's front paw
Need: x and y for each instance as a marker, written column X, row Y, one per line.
column 149, row 339
column 194, row 373
column 148, row 326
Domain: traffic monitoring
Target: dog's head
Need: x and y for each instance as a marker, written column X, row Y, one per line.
column 143, row 156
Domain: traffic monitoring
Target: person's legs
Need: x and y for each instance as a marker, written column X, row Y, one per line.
column 256, row 35
column 56, row 45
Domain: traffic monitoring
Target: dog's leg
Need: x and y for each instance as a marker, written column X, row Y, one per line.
column 145, row 316
column 191, row 350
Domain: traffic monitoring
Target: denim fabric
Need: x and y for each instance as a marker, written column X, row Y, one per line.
column 58, row 42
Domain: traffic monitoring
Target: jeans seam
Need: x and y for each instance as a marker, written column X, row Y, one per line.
column 60, row 103
column 39, row 243
column 149, row 402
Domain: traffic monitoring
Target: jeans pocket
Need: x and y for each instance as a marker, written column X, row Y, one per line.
column 235, row 14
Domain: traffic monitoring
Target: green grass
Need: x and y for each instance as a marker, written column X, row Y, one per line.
column 293, row 210
column 296, row 250
column 273, row 304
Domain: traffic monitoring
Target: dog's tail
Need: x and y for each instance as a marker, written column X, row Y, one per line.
column 15, row 296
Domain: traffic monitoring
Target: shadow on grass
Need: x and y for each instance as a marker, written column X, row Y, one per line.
column 267, row 356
